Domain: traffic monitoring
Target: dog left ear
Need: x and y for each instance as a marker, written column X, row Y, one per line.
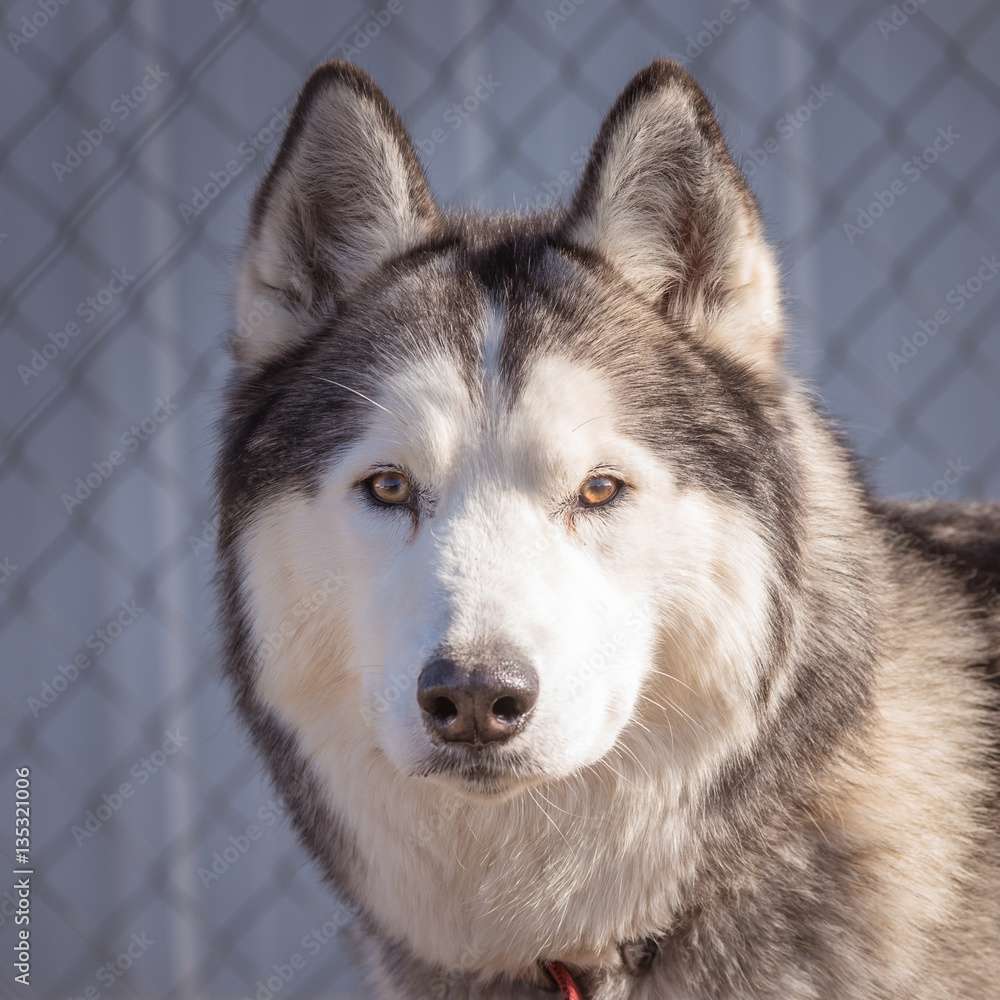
column 662, row 200
column 345, row 194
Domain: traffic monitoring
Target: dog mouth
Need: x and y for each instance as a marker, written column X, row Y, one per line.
column 484, row 772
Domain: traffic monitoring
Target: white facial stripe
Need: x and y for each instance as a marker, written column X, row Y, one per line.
column 492, row 343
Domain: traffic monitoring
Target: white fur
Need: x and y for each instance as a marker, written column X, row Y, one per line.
column 617, row 749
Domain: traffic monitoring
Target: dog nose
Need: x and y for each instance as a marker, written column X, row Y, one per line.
column 487, row 702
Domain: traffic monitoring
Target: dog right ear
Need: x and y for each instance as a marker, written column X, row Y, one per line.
column 345, row 194
column 662, row 200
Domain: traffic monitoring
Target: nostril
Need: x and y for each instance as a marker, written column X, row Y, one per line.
column 507, row 709
column 443, row 711
column 476, row 700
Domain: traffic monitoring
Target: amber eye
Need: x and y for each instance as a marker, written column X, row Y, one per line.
column 598, row 490
column 389, row 487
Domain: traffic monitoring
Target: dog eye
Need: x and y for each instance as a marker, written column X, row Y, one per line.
column 390, row 487
column 598, row 490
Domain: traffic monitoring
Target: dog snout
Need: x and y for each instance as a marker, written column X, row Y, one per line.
column 476, row 702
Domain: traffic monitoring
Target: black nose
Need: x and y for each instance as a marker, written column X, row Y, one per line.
column 480, row 700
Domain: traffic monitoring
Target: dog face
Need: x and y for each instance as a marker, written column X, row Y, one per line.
column 483, row 478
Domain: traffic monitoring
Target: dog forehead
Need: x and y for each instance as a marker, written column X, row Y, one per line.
column 437, row 412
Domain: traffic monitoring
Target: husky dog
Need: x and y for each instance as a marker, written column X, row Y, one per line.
column 571, row 637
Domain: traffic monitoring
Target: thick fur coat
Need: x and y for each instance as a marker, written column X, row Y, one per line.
column 740, row 733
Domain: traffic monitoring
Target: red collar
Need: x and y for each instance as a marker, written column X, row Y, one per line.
column 637, row 959
column 565, row 981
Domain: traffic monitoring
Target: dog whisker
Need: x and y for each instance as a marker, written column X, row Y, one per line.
column 555, row 825
column 356, row 392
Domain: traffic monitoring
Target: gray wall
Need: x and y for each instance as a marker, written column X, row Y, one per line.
column 139, row 373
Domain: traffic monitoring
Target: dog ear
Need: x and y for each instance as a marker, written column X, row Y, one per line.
column 345, row 193
column 662, row 200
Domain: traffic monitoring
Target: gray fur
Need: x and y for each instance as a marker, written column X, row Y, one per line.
column 793, row 893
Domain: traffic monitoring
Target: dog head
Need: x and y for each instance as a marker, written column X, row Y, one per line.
column 484, row 479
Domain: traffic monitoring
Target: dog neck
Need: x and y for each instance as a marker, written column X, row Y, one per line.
column 565, row 981
column 637, row 959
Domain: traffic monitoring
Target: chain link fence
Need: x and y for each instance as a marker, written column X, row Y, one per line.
column 131, row 135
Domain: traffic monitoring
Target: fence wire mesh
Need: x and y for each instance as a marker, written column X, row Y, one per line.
column 132, row 136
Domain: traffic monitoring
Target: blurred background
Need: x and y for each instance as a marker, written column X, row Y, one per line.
column 131, row 137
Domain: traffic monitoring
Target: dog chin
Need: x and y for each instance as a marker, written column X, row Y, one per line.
column 484, row 789
column 479, row 774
